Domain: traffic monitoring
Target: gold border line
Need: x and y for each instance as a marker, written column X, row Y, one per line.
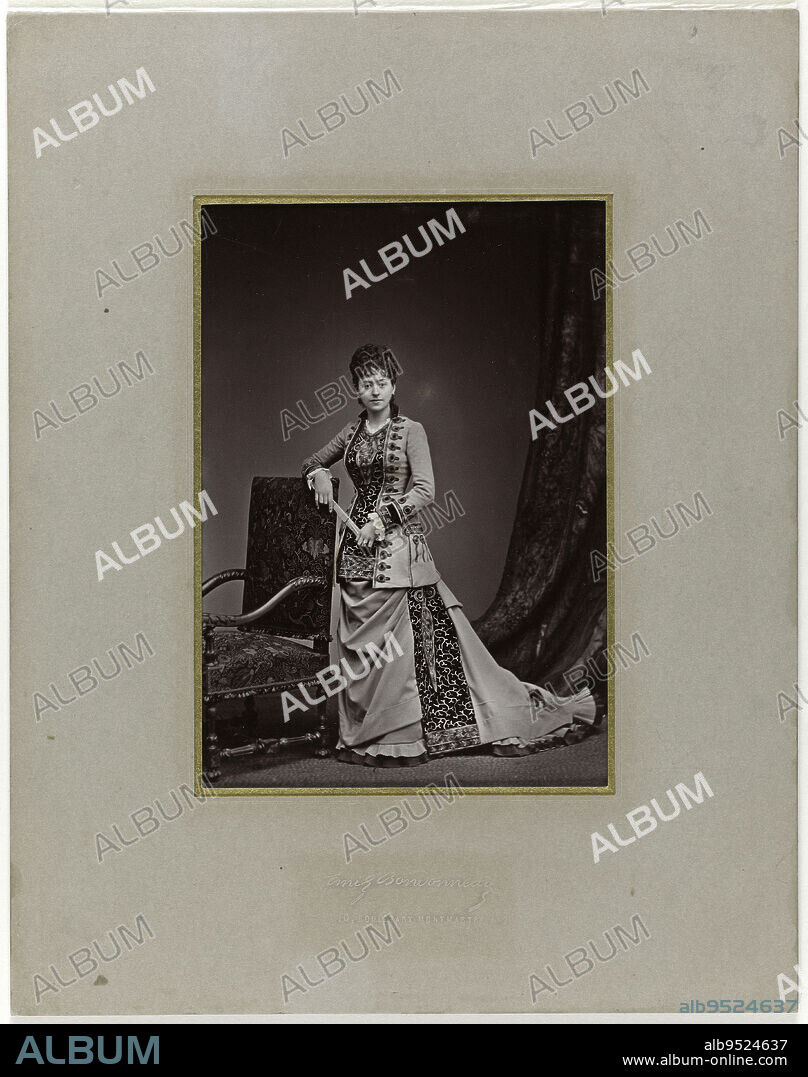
column 219, row 199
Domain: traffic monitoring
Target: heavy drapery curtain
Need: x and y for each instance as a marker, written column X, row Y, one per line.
column 548, row 614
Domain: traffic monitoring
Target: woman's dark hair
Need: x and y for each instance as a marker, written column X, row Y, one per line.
column 373, row 359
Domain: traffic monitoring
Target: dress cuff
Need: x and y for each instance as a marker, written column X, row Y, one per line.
column 390, row 514
column 309, row 476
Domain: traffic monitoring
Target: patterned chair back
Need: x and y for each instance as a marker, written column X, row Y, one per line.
column 289, row 536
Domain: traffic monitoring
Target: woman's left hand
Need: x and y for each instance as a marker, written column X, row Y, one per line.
column 366, row 537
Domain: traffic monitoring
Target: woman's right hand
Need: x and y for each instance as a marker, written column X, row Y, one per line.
column 323, row 490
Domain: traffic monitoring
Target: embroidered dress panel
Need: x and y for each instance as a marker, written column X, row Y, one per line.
column 364, row 463
column 447, row 709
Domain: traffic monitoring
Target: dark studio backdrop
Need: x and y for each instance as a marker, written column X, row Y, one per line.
column 489, row 325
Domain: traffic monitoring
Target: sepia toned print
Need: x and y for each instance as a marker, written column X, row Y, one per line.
column 397, row 676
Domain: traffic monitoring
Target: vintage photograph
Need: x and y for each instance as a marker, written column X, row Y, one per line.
column 403, row 524
column 403, row 440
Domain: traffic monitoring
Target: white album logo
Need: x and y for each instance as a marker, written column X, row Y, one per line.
column 642, row 821
column 85, row 116
column 146, row 539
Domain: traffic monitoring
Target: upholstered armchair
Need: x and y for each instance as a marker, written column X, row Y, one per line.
column 287, row 597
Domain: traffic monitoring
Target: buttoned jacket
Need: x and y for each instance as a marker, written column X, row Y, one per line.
column 402, row 558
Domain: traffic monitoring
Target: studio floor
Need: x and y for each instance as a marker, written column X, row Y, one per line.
column 575, row 765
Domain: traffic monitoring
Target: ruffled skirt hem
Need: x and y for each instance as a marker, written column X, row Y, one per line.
column 420, row 684
column 378, row 759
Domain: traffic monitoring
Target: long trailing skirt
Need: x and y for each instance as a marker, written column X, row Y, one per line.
column 420, row 681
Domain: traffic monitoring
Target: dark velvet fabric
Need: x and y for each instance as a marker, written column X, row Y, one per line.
column 548, row 613
column 287, row 537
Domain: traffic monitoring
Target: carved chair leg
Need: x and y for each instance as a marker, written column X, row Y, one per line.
column 210, row 746
column 321, row 751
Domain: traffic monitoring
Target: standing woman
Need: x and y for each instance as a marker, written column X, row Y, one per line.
column 420, row 681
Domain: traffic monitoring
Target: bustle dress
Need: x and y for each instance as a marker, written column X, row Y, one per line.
column 429, row 687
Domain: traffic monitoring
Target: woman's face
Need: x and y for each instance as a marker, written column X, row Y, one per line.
column 375, row 391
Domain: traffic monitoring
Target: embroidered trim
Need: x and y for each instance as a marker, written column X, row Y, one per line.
column 453, row 740
column 428, row 642
column 420, row 548
column 447, row 712
column 364, row 462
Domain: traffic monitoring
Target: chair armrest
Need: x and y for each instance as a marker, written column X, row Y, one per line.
column 236, row 620
column 223, row 577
